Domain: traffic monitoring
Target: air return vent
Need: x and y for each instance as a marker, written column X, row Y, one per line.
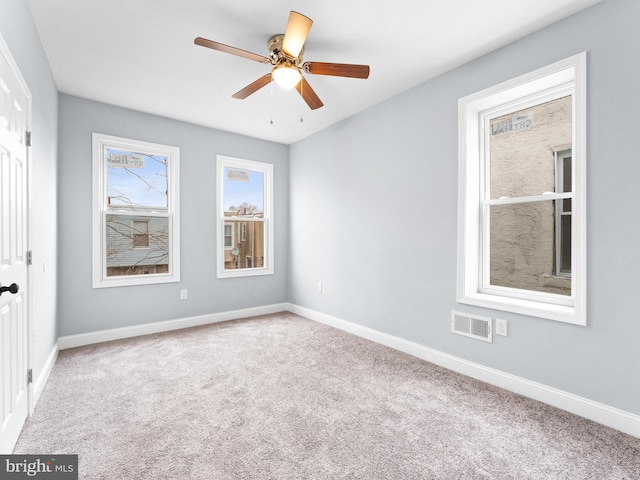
column 472, row 326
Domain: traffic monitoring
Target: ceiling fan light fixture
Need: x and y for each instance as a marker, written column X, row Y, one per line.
column 286, row 76
column 287, row 65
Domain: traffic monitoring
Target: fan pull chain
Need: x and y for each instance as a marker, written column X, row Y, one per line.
column 301, row 96
column 271, row 95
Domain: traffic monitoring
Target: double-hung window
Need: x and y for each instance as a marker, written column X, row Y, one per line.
column 522, row 194
column 244, row 216
column 136, row 227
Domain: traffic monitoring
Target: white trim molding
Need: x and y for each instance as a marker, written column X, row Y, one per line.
column 43, row 376
column 611, row 417
column 71, row 341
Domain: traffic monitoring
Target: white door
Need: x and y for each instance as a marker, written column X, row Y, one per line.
column 14, row 324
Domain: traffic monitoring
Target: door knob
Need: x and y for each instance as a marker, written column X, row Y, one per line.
column 13, row 288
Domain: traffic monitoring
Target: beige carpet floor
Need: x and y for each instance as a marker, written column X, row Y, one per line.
column 282, row 397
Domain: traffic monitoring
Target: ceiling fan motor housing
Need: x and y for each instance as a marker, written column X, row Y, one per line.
column 278, row 56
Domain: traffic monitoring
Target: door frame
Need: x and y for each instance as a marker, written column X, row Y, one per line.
column 5, row 52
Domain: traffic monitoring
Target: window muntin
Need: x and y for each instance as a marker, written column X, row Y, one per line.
column 135, row 212
column 521, row 209
column 244, row 217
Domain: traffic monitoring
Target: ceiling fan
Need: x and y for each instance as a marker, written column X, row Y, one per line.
column 285, row 55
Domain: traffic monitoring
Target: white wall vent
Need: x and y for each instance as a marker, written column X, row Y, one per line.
column 473, row 326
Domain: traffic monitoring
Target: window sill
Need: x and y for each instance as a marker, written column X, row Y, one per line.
column 245, row 272
column 561, row 313
column 143, row 279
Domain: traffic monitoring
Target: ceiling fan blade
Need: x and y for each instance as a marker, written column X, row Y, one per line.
column 253, row 87
column 337, row 69
column 296, row 33
column 203, row 42
column 308, row 94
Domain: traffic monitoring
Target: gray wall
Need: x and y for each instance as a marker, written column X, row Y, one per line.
column 374, row 208
column 19, row 32
column 84, row 309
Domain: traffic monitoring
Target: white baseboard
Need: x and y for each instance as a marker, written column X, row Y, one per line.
column 43, row 376
column 71, row 341
column 612, row 417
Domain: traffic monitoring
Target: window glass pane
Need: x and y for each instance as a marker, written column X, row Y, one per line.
column 522, row 145
column 247, row 252
column 243, row 192
column 124, row 252
column 565, row 244
column 566, row 174
column 136, row 179
column 243, row 200
column 522, row 247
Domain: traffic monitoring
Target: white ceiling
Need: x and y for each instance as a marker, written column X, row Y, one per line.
column 140, row 54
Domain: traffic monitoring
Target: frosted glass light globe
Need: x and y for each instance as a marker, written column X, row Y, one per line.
column 286, row 76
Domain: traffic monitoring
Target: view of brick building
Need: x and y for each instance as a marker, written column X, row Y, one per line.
column 243, row 240
column 530, row 242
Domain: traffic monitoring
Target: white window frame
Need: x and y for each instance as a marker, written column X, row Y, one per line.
column 473, row 111
column 267, row 170
column 100, row 208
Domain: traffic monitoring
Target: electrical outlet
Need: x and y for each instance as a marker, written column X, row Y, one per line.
column 501, row 327
column 184, row 294
column 319, row 288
